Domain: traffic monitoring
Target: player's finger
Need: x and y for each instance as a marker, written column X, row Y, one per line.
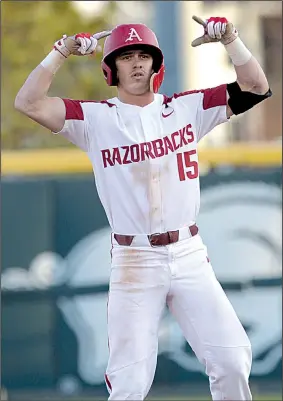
column 198, row 41
column 102, row 34
column 217, row 30
column 210, row 30
column 203, row 39
column 82, row 45
column 199, row 20
column 223, row 28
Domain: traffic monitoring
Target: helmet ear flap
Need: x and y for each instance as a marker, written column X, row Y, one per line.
column 107, row 72
column 156, row 79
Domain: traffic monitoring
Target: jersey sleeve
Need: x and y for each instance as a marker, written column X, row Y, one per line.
column 75, row 126
column 212, row 109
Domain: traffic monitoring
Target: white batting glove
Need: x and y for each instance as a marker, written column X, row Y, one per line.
column 81, row 44
column 216, row 29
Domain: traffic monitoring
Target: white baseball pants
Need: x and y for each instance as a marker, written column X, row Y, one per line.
column 143, row 279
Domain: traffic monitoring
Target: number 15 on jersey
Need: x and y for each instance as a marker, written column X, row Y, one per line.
column 187, row 167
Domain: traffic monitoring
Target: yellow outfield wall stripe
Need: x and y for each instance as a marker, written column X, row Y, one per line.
column 71, row 161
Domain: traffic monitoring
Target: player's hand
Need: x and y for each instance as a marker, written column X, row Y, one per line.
column 216, row 29
column 81, row 44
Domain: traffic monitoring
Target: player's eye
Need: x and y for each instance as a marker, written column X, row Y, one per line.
column 126, row 57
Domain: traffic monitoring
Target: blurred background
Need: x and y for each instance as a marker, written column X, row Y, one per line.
column 55, row 236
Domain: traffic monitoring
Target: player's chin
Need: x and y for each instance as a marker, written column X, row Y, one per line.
column 139, row 89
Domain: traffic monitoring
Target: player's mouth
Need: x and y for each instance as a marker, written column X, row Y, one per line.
column 137, row 74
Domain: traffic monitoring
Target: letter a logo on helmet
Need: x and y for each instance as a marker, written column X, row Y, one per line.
column 133, row 36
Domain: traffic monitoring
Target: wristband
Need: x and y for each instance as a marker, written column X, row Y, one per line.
column 238, row 52
column 53, row 61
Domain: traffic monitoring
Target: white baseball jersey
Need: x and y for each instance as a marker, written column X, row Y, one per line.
column 145, row 158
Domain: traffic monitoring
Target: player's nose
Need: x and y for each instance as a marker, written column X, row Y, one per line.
column 137, row 61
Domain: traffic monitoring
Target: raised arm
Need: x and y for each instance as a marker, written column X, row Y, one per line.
column 33, row 100
column 251, row 86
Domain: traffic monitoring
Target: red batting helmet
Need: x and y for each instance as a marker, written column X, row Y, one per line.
column 132, row 36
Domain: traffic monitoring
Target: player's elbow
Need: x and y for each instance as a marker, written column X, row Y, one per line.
column 29, row 108
column 262, row 88
column 22, row 105
column 48, row 112
column 19, row 103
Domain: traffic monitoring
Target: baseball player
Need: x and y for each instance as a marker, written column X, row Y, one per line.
column 143, row 148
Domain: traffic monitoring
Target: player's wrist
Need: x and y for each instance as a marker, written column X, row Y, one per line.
column 53, row 61
column 238, row 52
column 230, row 34
column 61, row 46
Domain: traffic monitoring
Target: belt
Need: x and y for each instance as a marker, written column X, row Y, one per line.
column 162, row 239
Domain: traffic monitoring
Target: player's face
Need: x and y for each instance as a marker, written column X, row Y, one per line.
column 134, row 69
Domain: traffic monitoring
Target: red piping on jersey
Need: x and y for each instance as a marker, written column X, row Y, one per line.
column 212, row 97
column 108, row 103
column 108, row 382
column 74, row 109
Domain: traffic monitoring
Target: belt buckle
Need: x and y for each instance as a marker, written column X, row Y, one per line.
column 151, row 236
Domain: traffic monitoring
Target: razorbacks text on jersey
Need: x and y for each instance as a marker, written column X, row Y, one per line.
column 145, row 158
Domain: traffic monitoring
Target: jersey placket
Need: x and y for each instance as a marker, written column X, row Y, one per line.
column 154, row 182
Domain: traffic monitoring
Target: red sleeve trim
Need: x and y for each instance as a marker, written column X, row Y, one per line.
column 214, row 97
column 74, row 109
